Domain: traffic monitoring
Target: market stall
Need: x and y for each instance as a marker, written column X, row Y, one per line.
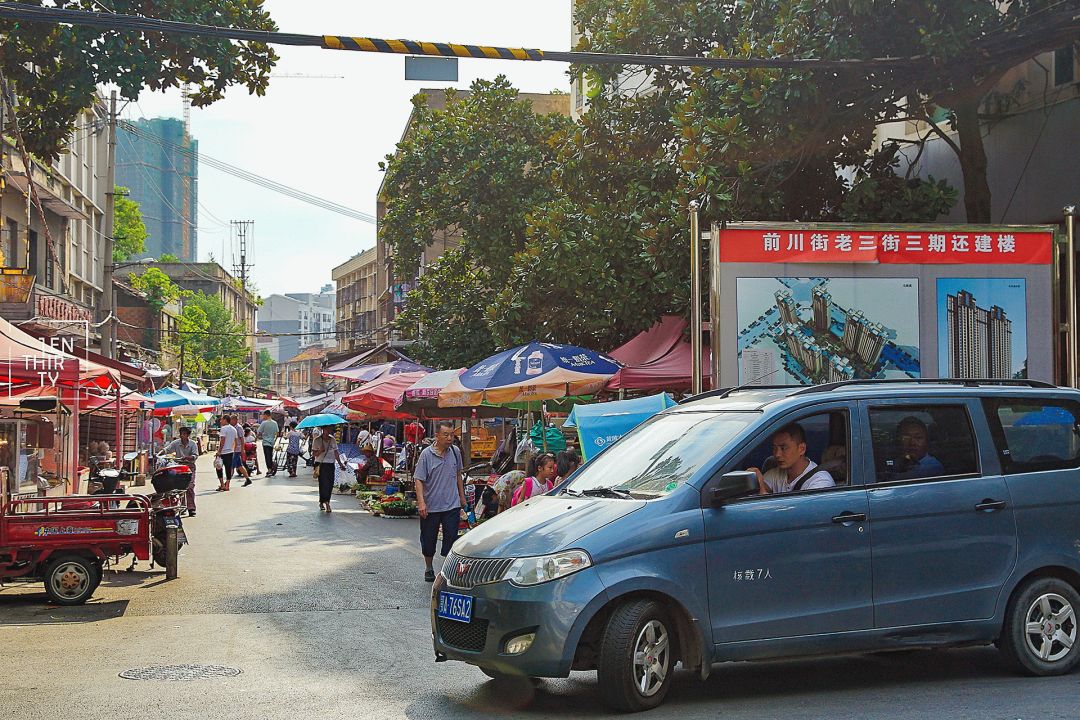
column 39, row 379
column 601, row 424
column 367, row 373
column 530, row 376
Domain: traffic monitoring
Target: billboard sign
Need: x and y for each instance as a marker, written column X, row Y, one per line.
column 806, row 304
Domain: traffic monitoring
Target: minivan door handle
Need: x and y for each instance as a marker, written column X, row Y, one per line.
column 847, row 518
column 990, row 505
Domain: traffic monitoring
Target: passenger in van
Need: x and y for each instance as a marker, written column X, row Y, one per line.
column 915, row 460
column 794, row 471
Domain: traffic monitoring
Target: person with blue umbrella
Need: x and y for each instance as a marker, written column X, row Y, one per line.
column 325, row 453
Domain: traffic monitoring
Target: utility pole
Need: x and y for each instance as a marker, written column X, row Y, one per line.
column 108, row 295
column 695, row 297
column 242, row 227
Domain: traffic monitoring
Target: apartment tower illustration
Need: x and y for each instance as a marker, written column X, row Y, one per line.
column 980, row 340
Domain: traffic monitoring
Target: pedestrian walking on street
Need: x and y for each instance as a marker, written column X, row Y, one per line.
column 325, row 451
column 186, row 452
column 292, row 450
column 269, row 431
column 440, row 494
column 228, row 441
column 238, row 455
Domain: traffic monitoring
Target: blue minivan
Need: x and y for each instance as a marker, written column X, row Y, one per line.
column 763, row 523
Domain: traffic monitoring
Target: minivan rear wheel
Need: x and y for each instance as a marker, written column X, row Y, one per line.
column 636, row 660
column 1041, row 631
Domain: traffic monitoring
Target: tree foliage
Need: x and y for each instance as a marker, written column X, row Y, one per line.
column 214, row 345
column 265, row 363
column 158, row 288
column 129, row 231
column 473, row 171
column 577, row 233
column 749, row 129
column 56, row 69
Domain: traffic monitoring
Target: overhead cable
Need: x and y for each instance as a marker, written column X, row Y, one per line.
column 115, row 21
column 251, row 177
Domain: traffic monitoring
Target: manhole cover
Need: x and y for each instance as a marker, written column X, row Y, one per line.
column 179, row 672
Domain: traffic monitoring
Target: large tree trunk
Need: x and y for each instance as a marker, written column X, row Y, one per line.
column 973, row 160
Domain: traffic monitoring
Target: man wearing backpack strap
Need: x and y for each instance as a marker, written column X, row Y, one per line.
column 440, row 494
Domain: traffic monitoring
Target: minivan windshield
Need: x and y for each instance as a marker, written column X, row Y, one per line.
column 659, row 455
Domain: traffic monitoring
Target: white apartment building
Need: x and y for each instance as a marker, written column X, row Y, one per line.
column 297, row 321
column 68, row 271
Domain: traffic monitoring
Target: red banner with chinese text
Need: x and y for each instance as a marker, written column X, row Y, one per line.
column 899, row 247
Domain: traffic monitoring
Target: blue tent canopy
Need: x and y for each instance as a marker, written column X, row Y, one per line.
column 173, row 397
column 601, row 424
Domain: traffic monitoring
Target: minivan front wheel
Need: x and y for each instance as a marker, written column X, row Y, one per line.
column 1041, row 632
column 636, row 659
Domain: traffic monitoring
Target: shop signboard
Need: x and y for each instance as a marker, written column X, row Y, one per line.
column 52, row 307
column 807, row 304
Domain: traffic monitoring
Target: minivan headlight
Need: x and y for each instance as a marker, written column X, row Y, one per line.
column 536, row 570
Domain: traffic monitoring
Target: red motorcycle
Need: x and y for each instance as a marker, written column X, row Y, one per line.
column 169, row 502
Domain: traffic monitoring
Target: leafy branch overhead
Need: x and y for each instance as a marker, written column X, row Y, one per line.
column 56, row 68
column 129, row 231
column 764, row 124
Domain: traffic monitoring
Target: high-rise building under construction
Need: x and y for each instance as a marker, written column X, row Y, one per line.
column 157, row 161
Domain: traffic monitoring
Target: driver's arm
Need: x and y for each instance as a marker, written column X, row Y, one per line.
column 763, row 489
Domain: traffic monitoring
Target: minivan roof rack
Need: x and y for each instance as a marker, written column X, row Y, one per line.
column 966, row 382
column 725, row 392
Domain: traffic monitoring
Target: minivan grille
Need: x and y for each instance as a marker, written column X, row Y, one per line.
column 467, row 573
column 470, row 636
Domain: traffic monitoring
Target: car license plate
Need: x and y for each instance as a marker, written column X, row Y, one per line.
column 455, row 607
column 170, row 522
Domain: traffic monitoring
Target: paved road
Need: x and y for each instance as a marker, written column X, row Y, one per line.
column 326, row 617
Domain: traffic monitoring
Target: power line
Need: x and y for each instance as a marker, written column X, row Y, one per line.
column 114, row 21
column 251, row 177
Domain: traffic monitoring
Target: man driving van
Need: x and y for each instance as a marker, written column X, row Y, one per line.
column 794, row 471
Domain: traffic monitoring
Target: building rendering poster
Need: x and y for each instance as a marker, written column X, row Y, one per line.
column 804, row 331
column 982, row 327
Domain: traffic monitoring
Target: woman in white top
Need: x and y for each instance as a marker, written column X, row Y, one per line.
column 324, row 450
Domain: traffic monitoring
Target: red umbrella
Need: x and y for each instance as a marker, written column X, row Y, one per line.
column 378, row 397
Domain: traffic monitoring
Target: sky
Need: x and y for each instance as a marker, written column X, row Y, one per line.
column 327, row 136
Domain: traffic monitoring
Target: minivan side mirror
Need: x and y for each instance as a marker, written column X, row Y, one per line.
column 732, row 485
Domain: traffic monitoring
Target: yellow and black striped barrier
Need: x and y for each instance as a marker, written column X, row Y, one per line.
column 410, row 47
column 21, row 11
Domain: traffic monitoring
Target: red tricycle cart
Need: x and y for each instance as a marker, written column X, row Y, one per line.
column 66, row 541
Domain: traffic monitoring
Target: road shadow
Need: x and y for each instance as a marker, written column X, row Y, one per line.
column 29, row 606
column 752, row 689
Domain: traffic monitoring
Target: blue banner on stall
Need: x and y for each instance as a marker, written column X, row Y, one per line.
column 601, row 424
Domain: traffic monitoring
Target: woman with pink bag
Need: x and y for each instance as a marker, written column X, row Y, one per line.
column 539, row 477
